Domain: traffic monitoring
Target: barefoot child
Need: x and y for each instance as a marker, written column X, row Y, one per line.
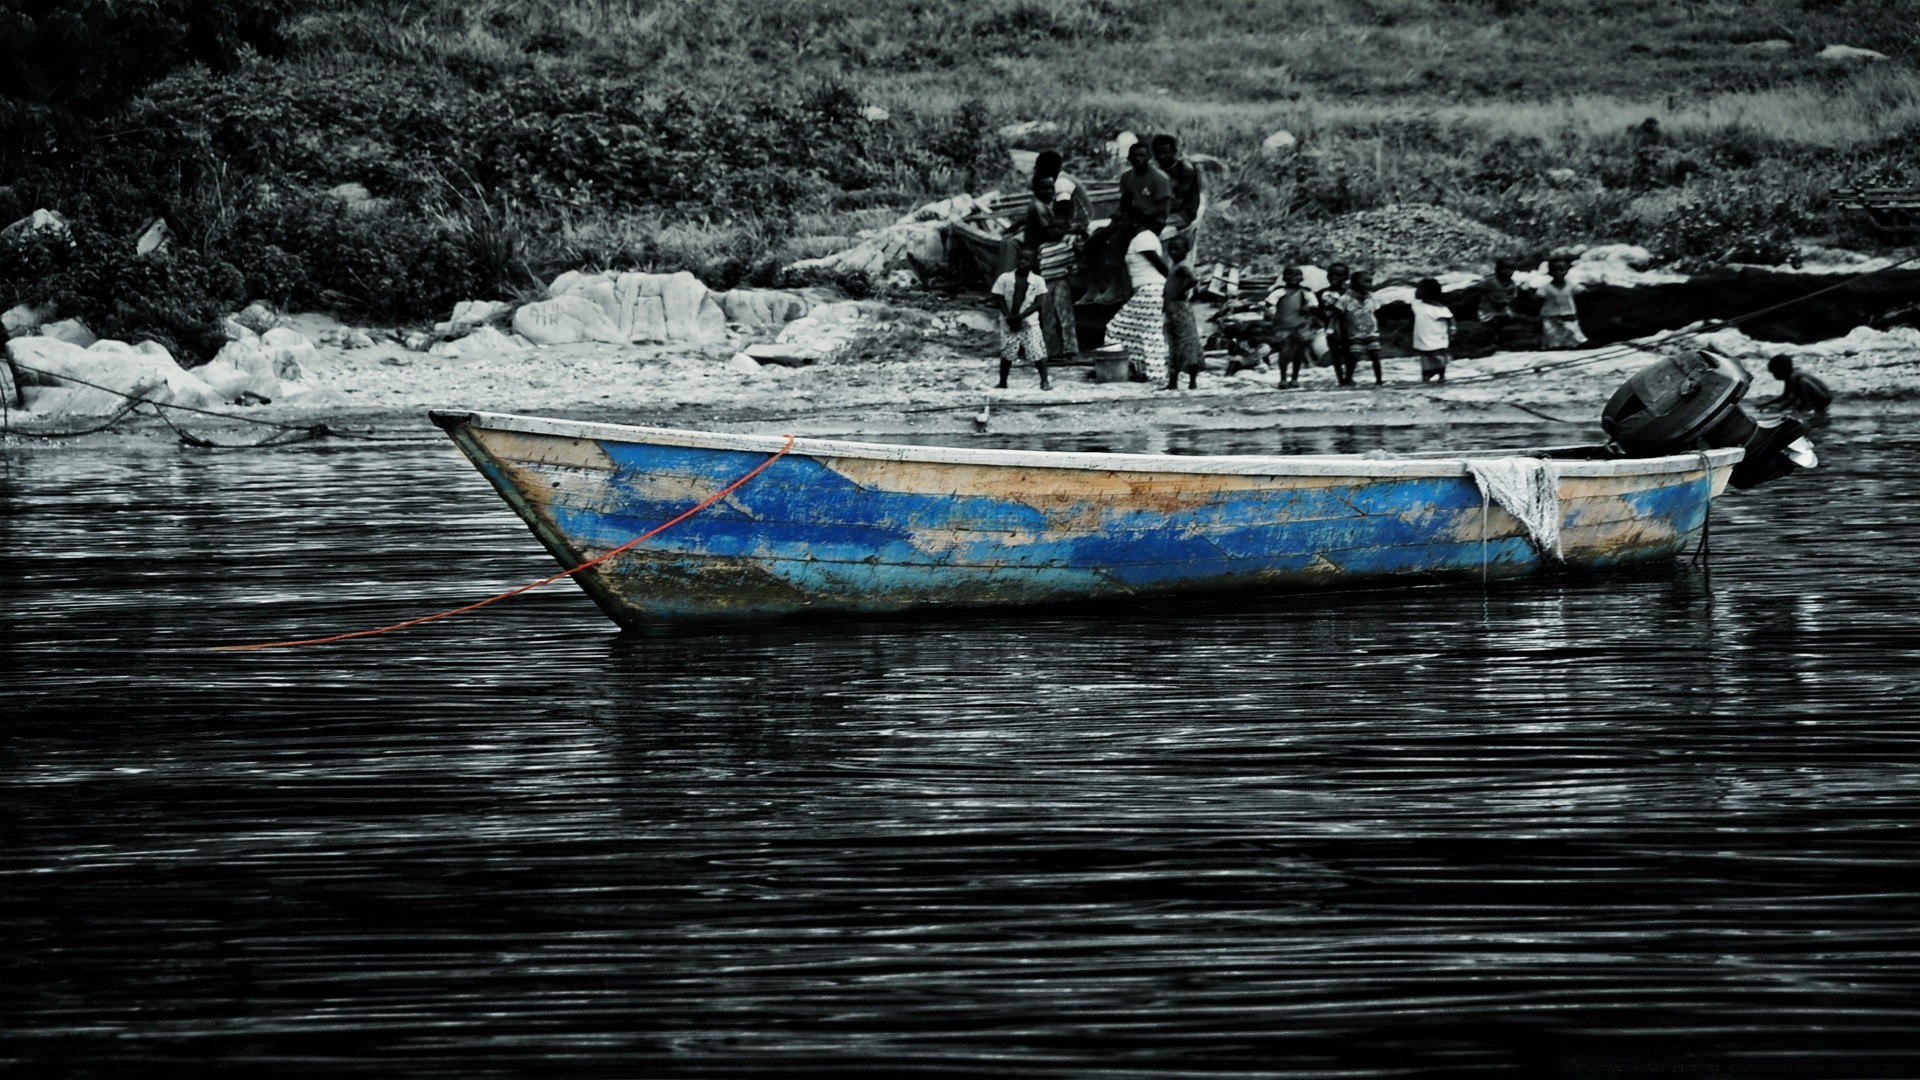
column 1020, row 293
column 1432, row 330
column 1291, row 323
column 1359, row 312
column 1559, row 320
column 1184, row 352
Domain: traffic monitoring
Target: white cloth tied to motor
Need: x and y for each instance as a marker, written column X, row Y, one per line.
column 1529, row 489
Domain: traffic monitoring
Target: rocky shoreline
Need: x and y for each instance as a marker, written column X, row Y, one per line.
column 662, row 349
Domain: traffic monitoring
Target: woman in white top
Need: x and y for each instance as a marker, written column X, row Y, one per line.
column 1140, row 324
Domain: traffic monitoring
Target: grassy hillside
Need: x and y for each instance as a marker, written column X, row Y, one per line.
column 515, row 139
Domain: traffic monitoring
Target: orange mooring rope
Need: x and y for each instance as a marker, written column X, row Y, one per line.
column 648, row 535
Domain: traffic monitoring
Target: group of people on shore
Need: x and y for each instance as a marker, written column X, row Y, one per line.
column 1141, row 257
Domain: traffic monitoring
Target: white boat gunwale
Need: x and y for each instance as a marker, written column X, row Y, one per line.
column 1453, row 465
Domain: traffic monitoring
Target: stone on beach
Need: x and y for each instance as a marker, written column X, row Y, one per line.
column 631, row 307
column 486, row 341
column 565, row 320
column 53, row 376
column 22, row 319
column 71, row 331
column 469, row 315
column 258, row 317
column 762, row 309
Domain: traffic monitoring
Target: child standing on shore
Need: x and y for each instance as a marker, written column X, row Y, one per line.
column 1333, row 301
column 1184, row 352
column 1291, row 323
column 1020, row 293
column 1432, row 330
column 1359, row 315
column 1559, row 321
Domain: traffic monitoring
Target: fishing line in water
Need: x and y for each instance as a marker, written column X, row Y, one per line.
column 497, row 597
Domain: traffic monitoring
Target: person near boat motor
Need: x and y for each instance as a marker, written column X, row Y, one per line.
column 1799, row 391
column 1358, row 314
column 1020, row 293
column 1559, row 317
column 1140, row 325
column 1184, row 349
column 1497, row 296
column 1183, row 182
column 1432, row 330
column 1048, row 233
column 1291, row 323
column 1331, row 298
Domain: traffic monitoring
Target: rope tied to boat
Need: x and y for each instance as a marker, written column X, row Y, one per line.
column 1701, row 556
column 496, row 598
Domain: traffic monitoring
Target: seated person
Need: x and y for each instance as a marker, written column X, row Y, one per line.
column 1799, row 391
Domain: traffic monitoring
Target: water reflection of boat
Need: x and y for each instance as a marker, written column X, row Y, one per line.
column 857, row 527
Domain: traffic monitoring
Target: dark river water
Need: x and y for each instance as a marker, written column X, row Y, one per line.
column 1646, row 825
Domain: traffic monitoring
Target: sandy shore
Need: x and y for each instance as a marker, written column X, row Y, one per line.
column 915, row 375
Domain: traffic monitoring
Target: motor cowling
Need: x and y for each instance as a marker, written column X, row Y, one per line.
column 1692, row 402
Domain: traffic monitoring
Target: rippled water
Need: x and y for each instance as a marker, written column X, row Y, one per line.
column 1562, row 827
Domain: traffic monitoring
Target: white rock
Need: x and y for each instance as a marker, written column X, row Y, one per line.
column 356, row 339
column 21, row 320
column 153, row 238
column 288, row 351
column 977, row 321
column 9, row 393
column 1121, row 144
column 486, row 341
column 1847, row 54
column 761, row 309
column 420, row 342
column 357, row 198
column 645, row 307
column 1278, row 142
column 71, row 331
column 42, row 224
column 471, row 313
column 258, row 317
column 1771, row 45
column 742, row 364
column 875, row 114
column 240, row 369
column 116, row 371
column 1024, row 161
column 565, row 320
column 1028, row 127
column 237, row 331
column 782, row 355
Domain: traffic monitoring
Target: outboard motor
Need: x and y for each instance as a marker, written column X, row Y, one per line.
column 1692, row 402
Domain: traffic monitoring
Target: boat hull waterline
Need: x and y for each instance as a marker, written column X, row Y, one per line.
column 869, row 528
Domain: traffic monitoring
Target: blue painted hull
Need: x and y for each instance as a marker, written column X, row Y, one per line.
column 842, row 527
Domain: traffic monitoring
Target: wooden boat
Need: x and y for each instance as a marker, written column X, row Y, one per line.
column 835, row 526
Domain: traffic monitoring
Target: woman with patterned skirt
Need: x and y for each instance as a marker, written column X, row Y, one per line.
column 1141, row 324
